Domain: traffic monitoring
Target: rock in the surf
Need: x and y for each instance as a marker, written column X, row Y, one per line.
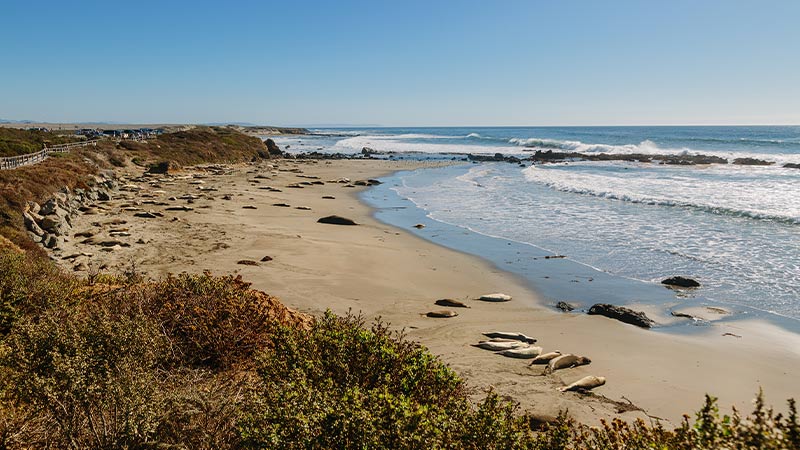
column 681, row 282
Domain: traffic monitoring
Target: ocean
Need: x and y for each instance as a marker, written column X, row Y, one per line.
column 735, row 228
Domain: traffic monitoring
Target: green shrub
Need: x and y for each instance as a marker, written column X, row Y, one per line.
column 29, row 283
column 344, row 386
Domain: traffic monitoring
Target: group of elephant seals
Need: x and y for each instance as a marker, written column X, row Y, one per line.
column 450, row 303
column 442, row 313
column 565, row 362
column 495, row 297
column 510, row 335
column 584, row 384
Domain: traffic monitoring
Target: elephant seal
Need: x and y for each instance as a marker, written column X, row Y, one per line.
column 497, row 346
column 584, row 384
column 442, row 313
column 510, row 335
column 495, row 297
column 522, row 352
column 545, row 358
column 450, row 303
column 565, row 362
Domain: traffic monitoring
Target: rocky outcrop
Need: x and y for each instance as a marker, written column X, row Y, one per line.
column 51, row 222
column 273, row 148
column 622, row 314
column 791, row 166
column 681, row 282
column 751, row 162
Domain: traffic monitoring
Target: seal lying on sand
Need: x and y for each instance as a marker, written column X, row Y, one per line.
column 546, row 358
column 510, row 335
column 522, row 352
column 584, row 384
column 450, row 303
column 495, row 297
column 565, row 362
column 497, row 346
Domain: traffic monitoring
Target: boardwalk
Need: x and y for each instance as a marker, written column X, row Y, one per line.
column 13, row 162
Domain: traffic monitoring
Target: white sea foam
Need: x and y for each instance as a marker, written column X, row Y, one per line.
column 730, row 190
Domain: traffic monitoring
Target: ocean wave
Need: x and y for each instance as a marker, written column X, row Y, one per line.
column 756, row 204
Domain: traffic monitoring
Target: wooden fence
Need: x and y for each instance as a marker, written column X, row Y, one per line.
column 13, row 162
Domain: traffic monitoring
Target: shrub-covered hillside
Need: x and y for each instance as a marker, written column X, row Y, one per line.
column 195, row 361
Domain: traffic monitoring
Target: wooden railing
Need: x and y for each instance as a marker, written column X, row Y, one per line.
column 13, row 162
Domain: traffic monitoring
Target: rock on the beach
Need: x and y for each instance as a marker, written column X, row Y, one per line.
column 564, row 306
column 622, row 314
column 146, row 215
column 328, row 197
column 273, row 148
column 681, row 282
column 266, row 259
column 585, row 384
column 419, row 226
column 442, row 313
column 247, row 262
column 495, row 297
column 337, row 220
column 282, row 205
column 450, row 303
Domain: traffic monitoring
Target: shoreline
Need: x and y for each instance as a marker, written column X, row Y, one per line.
column 368, row 268
column 696, row 312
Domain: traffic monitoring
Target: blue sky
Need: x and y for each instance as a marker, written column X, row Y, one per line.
column 402, row 63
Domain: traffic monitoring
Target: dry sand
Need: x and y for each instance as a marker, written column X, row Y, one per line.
column 382, row 271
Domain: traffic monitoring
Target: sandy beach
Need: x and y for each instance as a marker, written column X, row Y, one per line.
column 230, row 216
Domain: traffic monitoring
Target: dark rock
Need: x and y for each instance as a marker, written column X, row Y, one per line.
column 328, row 197
column 249, row 207
column 564, row 306
column 147, row 215
column 751, row 162
column 622, row 314
column 368, row 151
column 247, row 262
column 273, row 148
column 681, row 282
column 163, row 167
column 791, row 166
column 283, row 205
column 266, row 258
column 337, row 220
